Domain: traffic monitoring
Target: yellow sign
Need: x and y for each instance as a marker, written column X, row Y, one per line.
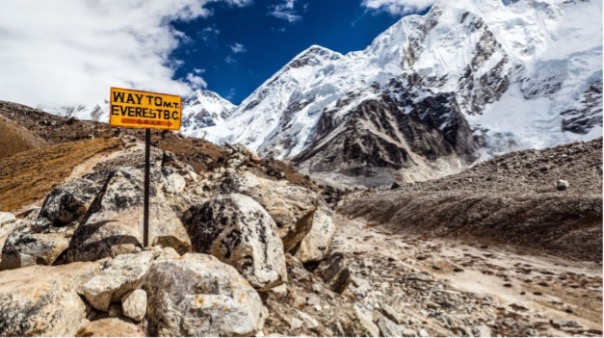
column 138, row 109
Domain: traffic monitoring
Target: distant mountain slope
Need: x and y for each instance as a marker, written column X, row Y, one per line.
column 14, row 138
column 201, row 109
column 523, row 75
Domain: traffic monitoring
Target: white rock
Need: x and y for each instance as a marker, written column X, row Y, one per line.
column 123, row 274
column 197, row 295
column 237, row 230
column 7, row 218
column 175, row 184
column 315, row 246
column 134, row 304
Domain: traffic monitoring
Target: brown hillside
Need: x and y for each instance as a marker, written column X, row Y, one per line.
column 15, row 138
column 28, row 176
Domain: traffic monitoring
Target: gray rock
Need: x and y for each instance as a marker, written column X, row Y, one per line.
column 238, row 231
column 315, row 245
column 43, row 301
column 564, row 323
column 23, row 249
column 334, row 272
column 391, row 314
column 113, row 224
column 290, row 206
column 121, row 275
column 562, row 185
column 7, row 218
column 371, row 330
column 175, row 184
column 67, row 203
column 134, row 304
column 481, row 331
column 197, row 295
column 388, row 328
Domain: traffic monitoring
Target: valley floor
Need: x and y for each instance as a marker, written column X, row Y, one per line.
column 448, row 287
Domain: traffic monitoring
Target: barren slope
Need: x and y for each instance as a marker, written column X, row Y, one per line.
column 509, row 201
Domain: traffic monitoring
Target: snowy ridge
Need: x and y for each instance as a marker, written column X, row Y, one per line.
column 203, row 108
column 525, row 75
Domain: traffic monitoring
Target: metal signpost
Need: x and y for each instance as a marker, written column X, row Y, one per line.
column 145, row 110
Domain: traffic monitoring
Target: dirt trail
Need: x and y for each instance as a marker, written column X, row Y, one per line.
column 540, row 290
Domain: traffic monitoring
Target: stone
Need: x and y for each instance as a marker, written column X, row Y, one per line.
column 481, row 331
column 110, row 327
column 563, row 323
column 121, row 275
column 7, row 218
column 315, row 245
column 562, row 185
column 391, row 314
column 113, row 224
column 67, row 203
column 198, row 295
column 43, row 300
column 409, row 333
column 518, row 306
column 388, row 328
column 423, row 333
column 289, row 205
column 371, row 330
column 334, row 272
column 308, row 320
column 175, row 184
column 134, row 305
column 237, row 230
column 22, row 249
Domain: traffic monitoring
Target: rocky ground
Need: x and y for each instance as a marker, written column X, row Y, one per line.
column 245, row 246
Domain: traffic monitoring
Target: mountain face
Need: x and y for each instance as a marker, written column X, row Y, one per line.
column 433, row 93
column 201, row 109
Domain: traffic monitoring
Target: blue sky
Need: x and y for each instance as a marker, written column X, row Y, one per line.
column 70, row 52
column 236, row 49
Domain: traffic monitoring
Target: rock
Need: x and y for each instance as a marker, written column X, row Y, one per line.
column 67, row 203
column 371, row 330
column 113, row 224
column 42, row 300
column 22, row 249
column 175, row 184
column 519, row 306
column 563, row 323
column 7, row 218
column 287, row 204
column 238, row 231
column 334, row 272
column 409, row 333
column 295, row 324
column 388, row 328
column 308, row 320
column 481, row 331
column 121, row 275
column 391, row 314
column 315, row 246
column 110, row 327
column 562, row 185
column 197, row 295
column 423, row 333
column 134, row 305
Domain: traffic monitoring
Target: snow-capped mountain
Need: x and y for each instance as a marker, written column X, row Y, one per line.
column 201, row 109
column 431, row 94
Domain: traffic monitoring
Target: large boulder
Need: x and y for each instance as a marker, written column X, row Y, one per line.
column 197, row 295
column 43, row 301
column 120, row 276
column 24, row 249
column 290, row 206
column 237, row 230
column 67, row 203
column 315, row 245
column 114, row 222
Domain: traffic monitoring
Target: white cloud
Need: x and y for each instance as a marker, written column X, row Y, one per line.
column 398, row 7
column 237, row 48
column 285, row 11
column 196, row 82
column 69, row 52
column 230, row 60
